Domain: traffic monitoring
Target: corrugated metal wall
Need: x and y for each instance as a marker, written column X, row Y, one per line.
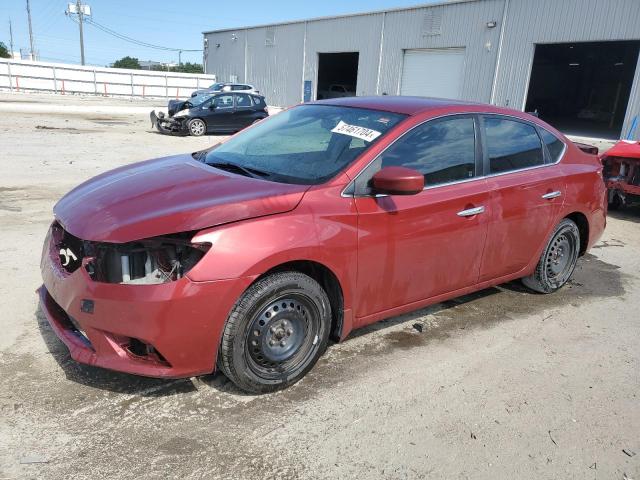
column 556, row 21
column 274, row 62
column 278, row 70
column 462, row 25
column 349, row 34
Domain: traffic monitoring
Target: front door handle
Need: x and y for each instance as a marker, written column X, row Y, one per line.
column 470, row 212
column 550, row 195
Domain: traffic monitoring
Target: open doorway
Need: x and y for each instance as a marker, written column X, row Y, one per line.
column 583, row 88
column 337, row 75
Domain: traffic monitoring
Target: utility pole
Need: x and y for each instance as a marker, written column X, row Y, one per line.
column 179, row 57
column 81, row 10
column 10, row 38
column 33, row 55
column 80, row 18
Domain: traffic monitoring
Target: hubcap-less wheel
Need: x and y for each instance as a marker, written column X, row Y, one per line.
column 197, row 127
column 279, row 338
column 275, row 332
column 558, row 259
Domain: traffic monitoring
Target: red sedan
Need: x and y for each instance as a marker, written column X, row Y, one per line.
column 250, row 256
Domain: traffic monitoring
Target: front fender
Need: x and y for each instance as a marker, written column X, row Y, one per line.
column 322, row 229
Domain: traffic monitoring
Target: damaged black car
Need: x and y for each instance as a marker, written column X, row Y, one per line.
column 223, row 112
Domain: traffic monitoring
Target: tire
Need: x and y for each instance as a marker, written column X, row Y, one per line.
column 558, row 259
column 197, row 127
column 616, row 201
column 275, row 333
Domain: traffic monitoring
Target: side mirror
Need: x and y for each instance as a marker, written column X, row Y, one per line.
column 212, row 106
column 398, row 181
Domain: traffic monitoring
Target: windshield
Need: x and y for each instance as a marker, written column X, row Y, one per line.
column 307, row 145
column 199, row 99
column 216, row 86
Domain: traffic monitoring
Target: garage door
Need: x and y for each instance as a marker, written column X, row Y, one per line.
column 432, row 73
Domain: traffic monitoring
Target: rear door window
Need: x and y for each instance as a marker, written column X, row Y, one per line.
column 511, row 145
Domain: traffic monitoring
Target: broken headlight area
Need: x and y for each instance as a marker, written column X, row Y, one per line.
column 143, row 262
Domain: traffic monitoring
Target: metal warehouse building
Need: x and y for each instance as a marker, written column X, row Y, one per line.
column 574, row 61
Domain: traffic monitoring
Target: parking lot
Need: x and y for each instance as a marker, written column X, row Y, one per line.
column 499, row 384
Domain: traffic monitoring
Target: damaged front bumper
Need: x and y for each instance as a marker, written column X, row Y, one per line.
column 168, row 330
column 166, row 124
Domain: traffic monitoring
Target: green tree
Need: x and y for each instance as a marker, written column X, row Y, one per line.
column 127, row 62
column 4, row 53
column 183, row 68
column 190, row 68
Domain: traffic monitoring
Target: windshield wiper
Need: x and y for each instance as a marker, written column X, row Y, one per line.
column 248, row 171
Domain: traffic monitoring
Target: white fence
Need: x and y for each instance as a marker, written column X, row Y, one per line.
column 18, row 75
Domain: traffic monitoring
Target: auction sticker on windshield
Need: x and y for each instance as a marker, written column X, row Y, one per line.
column 362, row 133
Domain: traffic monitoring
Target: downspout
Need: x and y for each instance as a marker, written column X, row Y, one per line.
column 499, row 54
column 384, row 17
column 304, row 62
column 246, row 59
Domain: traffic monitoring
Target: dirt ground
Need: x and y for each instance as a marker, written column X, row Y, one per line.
column 500, row 384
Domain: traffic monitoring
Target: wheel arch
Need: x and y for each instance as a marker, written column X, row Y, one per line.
column 327, row 279
column 582, row 222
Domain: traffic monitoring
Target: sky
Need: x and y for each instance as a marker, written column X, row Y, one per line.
column 166, row 23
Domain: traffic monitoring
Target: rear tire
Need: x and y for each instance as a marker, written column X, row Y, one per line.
column 558, row 259
column 197, row 127
column 616, row 201
column 275, row 333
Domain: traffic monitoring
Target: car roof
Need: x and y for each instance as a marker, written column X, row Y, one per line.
column 405, row 104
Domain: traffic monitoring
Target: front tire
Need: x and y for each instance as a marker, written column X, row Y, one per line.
column 275, row 333
column 558, row 259
column 197, row 127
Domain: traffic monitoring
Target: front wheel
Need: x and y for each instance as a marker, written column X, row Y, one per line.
column 558, row 259
column 197, row 127
column 275, row 333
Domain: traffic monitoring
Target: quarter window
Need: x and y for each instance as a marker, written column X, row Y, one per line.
column 243, row 100
column 511, row 145
column 442, row 150
column 554, row 145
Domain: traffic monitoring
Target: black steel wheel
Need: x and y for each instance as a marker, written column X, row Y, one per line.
column 558, row 259
column 276, row 332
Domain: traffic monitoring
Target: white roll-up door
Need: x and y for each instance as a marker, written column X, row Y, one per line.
column 433, row 72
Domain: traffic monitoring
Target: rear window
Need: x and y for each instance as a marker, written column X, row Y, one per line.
column 554, row 145
column 512, row 145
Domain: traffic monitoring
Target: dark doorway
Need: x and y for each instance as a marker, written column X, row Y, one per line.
column 583, row 88
column 337, row 75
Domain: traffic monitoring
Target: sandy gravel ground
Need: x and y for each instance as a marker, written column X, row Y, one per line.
column 500, row 384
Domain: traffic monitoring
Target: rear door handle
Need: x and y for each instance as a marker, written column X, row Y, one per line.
column 550, row 195
column 470, row 212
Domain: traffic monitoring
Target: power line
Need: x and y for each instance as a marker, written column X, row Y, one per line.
column 126, row 38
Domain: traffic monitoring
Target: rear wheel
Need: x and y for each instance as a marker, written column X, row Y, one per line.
column 558, row 259
column 197, row 127
column 616, row 201
column 276, row 332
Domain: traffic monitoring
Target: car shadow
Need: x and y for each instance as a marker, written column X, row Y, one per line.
column 631, row 214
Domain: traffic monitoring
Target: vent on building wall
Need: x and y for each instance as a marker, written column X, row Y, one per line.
column 432, row 22
column 270, row 39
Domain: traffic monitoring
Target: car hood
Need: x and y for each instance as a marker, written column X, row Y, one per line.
column 168, row 195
